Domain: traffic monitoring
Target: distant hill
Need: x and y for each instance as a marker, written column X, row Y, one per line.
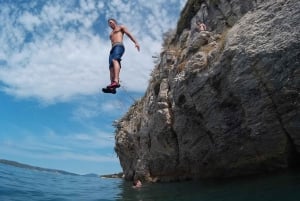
column 90, row 175
column 113, row 176
column 25, row 166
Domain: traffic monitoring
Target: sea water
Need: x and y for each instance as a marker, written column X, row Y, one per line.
column 17, row 184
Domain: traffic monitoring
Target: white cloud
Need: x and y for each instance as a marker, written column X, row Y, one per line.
column 87, row 5
column 29, row 21
column 87, row 110
column 100, row 5
column 55, row 55
column 51, row 145
column 85, row 157
column 62, row 156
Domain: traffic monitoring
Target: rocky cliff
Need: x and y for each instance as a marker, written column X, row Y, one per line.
column 222, row 102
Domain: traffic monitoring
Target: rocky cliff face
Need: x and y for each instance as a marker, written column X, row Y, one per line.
column 223, row 102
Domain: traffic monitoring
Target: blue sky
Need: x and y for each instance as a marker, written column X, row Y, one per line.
column 53, row 63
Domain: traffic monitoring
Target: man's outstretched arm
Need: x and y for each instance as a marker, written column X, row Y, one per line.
column 125, row 30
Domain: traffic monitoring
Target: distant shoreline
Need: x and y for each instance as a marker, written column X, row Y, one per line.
column 30, row 167
column 113, row 176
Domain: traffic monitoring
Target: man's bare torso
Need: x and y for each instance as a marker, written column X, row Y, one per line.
column 116, row 36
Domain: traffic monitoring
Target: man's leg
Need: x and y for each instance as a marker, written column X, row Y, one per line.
column 116, row 71
column 112, row 73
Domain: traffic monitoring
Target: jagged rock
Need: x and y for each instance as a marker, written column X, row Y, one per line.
column 198, row 40
column 197, row 61
column 216, row 14
column 239, row 115
column 183, row 39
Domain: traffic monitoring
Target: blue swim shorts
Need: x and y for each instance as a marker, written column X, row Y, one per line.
column 116, row 53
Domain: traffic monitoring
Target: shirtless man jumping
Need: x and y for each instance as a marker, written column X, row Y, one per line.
column 116, row 52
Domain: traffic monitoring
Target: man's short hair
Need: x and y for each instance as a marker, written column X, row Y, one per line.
column 112, row 19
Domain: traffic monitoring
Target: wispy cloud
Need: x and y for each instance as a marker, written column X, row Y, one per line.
column 56, row 50
column 51, row 145
column 99, row 107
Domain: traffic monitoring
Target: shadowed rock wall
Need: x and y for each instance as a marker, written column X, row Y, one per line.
column 220, row 103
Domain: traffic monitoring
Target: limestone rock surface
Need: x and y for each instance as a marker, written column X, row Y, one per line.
column 222, row 103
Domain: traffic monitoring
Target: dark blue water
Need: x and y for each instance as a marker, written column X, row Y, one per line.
column 27, row 185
